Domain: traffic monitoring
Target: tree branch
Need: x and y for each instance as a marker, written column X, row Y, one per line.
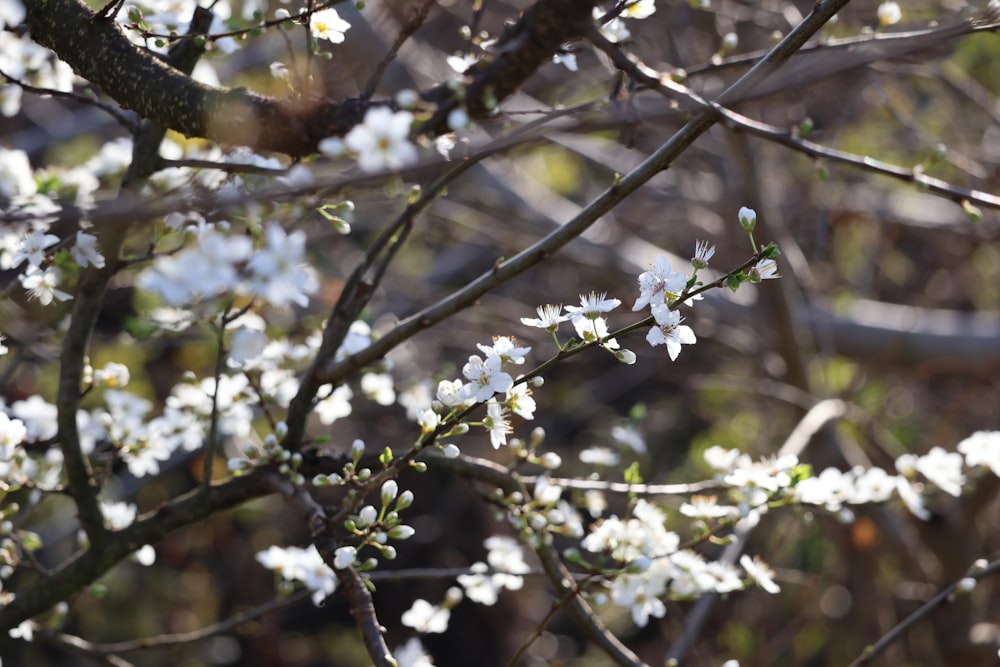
column 88, row 566
column 99, row 51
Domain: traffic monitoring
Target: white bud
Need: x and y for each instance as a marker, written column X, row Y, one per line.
column 402, row 532
column 405, row 500
column 367, row 516
column 407, row 99
column 344, row 557
column 551, row 460
column 357, row 450
column 389, row 491
column 458, row 119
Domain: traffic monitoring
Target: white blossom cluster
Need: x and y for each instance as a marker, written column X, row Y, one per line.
column 483, row 377
column 220, row 264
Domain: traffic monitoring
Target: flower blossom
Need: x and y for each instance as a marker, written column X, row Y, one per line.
column 382, row 141
column 486, row 377
column 669, row 331
column 659, row 284
column 328, row 25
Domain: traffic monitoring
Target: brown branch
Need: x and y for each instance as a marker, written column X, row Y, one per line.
column 99, row 52
column 939, row 600
column 565, row 583
column 358, row 595
column 658, row 161
column 91, row 648
column 733, row 120
column 88, row 566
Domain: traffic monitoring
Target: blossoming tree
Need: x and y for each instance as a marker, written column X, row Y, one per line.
column 287, row 377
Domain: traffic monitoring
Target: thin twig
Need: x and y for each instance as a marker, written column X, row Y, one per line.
column 733, row 120
column 411, row 26
column 186, row 637
column 121, row 117
column 939, row 600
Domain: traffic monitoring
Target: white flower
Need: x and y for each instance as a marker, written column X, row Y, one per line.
column 480, row 587
column 454, row 394
column 702, row 253
column 592, row 305
column 520, row 402
column 3, row 348
column 614, row 29
column 461, row 62
column 25, row 631
column 708, row 507
column 944, row 469
column 305, row 565
column 639, row 9
column 245, row 346
column 279, row 273
column 889, row 13
column 145, row 555
column 412, row 654
column 280, row 71
column 912, row 499
column 12, row 433
column 332, row 147
column 748, row 218
column 16, row 176
column 327, row 24
column 118, row 515
column 982, row 448
column 112, row 375
column 760, row 573
column 506, row 348
column 642, row 594
column 496, row 424
column 32, row 248
column 428, row 420
column 43, row 285
column 599, row 456
column 382, row 141
column 593, row 330
column 546, row 493
column 659, row 284
column 549, row 317
column 379, row 388
column 669, row 331
column 630, row 437
column 426, row 617
column 85, row 252
column 359, row 336
column 12, row 13
column 765, row 269
column 486, row 377
column 335, row 406
column 343, row 557
column 506, row 554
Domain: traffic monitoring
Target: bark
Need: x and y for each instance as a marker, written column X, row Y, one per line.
column 137, row 79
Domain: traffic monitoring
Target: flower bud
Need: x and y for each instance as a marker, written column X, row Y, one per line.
column 405, row 500
column 748, row 219
column 389, row 491
column 344, row 557
column 402, row 532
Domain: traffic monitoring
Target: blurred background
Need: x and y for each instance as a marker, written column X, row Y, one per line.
column 889, row 300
